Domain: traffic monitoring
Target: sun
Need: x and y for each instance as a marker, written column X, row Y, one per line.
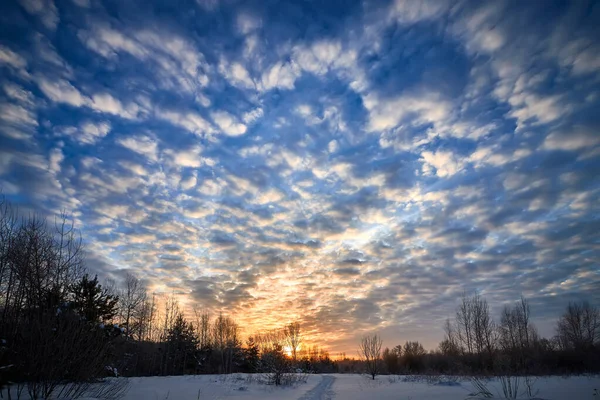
column 287, row 350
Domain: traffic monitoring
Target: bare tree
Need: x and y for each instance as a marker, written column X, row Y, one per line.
column 38, row 265
column 203, row 328
column 142, row 318
column 171, row 311
column 8, row 231
column 132, row 297
column 293, row 338
column 579, row 327
column 517, row 334
column 369, row 350
column 225, row 333
column 475, row 330
column 464, row 325
column 484, row 329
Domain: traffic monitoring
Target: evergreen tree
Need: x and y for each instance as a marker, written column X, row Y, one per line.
column 92, row 301
column 275, row 364
column 251, row 356
column 182, row 344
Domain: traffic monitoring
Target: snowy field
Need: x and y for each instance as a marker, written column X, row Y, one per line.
column 348, row 387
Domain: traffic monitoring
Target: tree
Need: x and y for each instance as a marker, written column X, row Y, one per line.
column 413, row 353
column 143, row 326
column 132, row 297
column 474, row 330
column 449, row 346
column 369, row 351
column 391, row 359
column 484, row 330
column 293, row 338
column 517, row 336
column 182, row 342
column 91, row 301
column 225, row 342
column 579, row 327
column 464, row 325
column 203, row 328
column 251, row 355
column 275, row 364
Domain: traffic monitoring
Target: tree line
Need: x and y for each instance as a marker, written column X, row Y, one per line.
column 476, row 344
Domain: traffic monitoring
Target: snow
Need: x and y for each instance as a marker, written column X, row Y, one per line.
column 234, row 386
column 354, row 387
column 345, row 387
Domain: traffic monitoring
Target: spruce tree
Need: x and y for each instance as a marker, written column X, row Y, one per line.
column 93, row 302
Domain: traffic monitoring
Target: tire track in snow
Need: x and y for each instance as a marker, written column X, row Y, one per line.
column 322, row 391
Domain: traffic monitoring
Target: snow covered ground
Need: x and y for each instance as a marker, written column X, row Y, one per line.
column 354, row 387
column 347, row 387
column 214, row 387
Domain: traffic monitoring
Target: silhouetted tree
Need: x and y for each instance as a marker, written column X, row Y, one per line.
column 369, row 350
column 391, row 359
column 579, row 327
column 91, row 301
column 293, row 338
column 132, row 298
column 275, row 364
column 182, row 343
column 251, row 355
column 517, row 335
column 474, row 330
column 226, row 342
column 412, row 356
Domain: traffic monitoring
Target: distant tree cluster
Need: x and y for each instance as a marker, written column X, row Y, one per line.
column 474, row 343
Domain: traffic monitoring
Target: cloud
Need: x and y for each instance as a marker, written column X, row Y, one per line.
column 237, row 74
column 544, row 110
column 407, row 11
column 178, row 64
column 88, row 132
column 143, row 145
column 189, row 182
column 319, row 57
column 188, row 158
column 228, row 123
column 387, row 114
column 82, row 3
column 106, row 103
column 44, row 9
column 190, row 121
column 577, row 139
column 12, row 59
column 252, row 116
column 18, row 118
column 444, row 162
column 247, row 23
column 62, row 91
column 280, row 75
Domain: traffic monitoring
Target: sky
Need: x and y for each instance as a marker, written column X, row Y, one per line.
column 354, row 166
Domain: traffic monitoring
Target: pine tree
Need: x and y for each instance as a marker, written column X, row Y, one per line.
column 251, row 355
column 93, row 302
column 183, row 344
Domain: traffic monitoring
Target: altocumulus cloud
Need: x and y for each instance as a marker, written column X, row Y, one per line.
column 352, row 165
